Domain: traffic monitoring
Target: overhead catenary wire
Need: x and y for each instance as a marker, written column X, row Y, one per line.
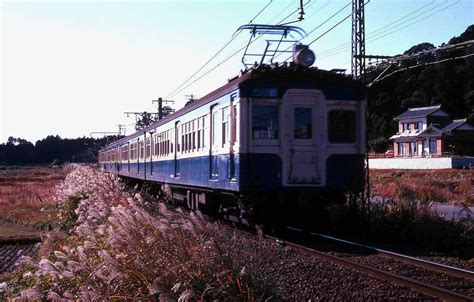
column 395, row 29
column 258, row 14
column 318, row 26
column 421, row 65
column 174, row 92
column 329, row 30
column 225, row 60
column 318, row 9
column 344, row 45
column 280, row 13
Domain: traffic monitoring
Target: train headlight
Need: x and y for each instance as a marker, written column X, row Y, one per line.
column 303, row 56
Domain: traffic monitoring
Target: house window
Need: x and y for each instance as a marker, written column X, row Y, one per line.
column 265, row 121
column 412, row 148
column 401, row 149
column 433, row 146
column 342, row 126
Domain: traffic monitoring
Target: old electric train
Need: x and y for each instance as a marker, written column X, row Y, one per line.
column 271, row 130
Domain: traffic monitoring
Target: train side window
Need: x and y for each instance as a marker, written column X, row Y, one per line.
column 148, row 146
column 215, row 123
column 303, row 123
column 199, row 139
column 342, row 126
column 171, row 136
column 225, row 125
column 265, row 121
column 204, row 132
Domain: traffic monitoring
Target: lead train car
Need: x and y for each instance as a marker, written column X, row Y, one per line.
column 282, row 129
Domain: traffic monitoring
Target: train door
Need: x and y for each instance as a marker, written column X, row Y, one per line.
column 214, row 144
column 233, row 134
column 150, row 151
column 303, row 139
column 128, row 157
column 139, row 150
column 176, row 149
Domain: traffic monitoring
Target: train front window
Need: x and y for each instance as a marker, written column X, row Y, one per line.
column 265, row 121
column 342, row 126
column 303, row 123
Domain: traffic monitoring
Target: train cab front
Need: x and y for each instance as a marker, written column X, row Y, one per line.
column 305, row 133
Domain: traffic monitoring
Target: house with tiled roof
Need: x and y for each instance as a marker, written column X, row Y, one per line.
column 429, row 131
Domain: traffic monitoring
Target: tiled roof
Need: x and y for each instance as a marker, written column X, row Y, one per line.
column 434, row 129
column 418, row 112
column 454, row 124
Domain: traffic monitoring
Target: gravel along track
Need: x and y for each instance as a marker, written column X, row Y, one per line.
column 295, row 276
column 11, row 252
column 459, row 285
column 453, row 261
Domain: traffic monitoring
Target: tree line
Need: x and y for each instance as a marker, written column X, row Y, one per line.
column 52, row 149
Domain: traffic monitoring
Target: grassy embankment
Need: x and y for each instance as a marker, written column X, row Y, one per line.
column 444, row 186
column 27, row 195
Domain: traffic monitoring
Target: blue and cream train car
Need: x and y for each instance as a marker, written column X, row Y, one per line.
column 272, row 129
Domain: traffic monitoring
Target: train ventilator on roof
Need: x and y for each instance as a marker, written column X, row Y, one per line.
column 303, row 56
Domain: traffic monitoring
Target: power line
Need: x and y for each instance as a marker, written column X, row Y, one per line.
column 258, row 14
column 436, row 12
column 318, row 9
column 326, row 32
column 383, row 27
column 225, row 60
column 374, row 33
column 421, row 65
column 214, row 56
column 280, row 13
column 394, row 29
column 321, row 24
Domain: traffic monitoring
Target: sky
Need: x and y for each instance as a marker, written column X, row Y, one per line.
column 70, row 68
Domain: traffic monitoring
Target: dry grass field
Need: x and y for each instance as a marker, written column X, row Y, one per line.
column 445, row 186
column 26, row 194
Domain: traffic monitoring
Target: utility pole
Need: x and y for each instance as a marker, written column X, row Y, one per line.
column 103, row 133
column 137, row 114
column 358, row 40
column 358, row 72
column 122, row 128
column 190, row 99
column 160, row 102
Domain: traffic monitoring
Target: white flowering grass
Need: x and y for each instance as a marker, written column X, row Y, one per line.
column 124, row 246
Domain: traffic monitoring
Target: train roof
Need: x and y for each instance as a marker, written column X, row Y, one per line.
column 264, row 74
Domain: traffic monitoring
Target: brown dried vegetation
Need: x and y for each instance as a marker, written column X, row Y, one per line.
column 445, row 186
column 27, row 194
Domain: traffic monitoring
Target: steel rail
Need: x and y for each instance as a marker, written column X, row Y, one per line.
column 419, row 286
column 433, row 266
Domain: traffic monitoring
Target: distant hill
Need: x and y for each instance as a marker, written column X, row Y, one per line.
column 450, row 84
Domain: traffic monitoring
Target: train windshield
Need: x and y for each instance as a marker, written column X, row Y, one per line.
column 342, row 126
column 265, row 121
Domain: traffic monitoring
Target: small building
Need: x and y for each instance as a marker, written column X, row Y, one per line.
column 429, row 131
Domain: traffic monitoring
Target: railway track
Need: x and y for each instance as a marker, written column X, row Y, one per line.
column 417, row 285
column 422, row 263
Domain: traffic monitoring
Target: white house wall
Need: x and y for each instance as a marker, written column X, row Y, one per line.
column 421, row 163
